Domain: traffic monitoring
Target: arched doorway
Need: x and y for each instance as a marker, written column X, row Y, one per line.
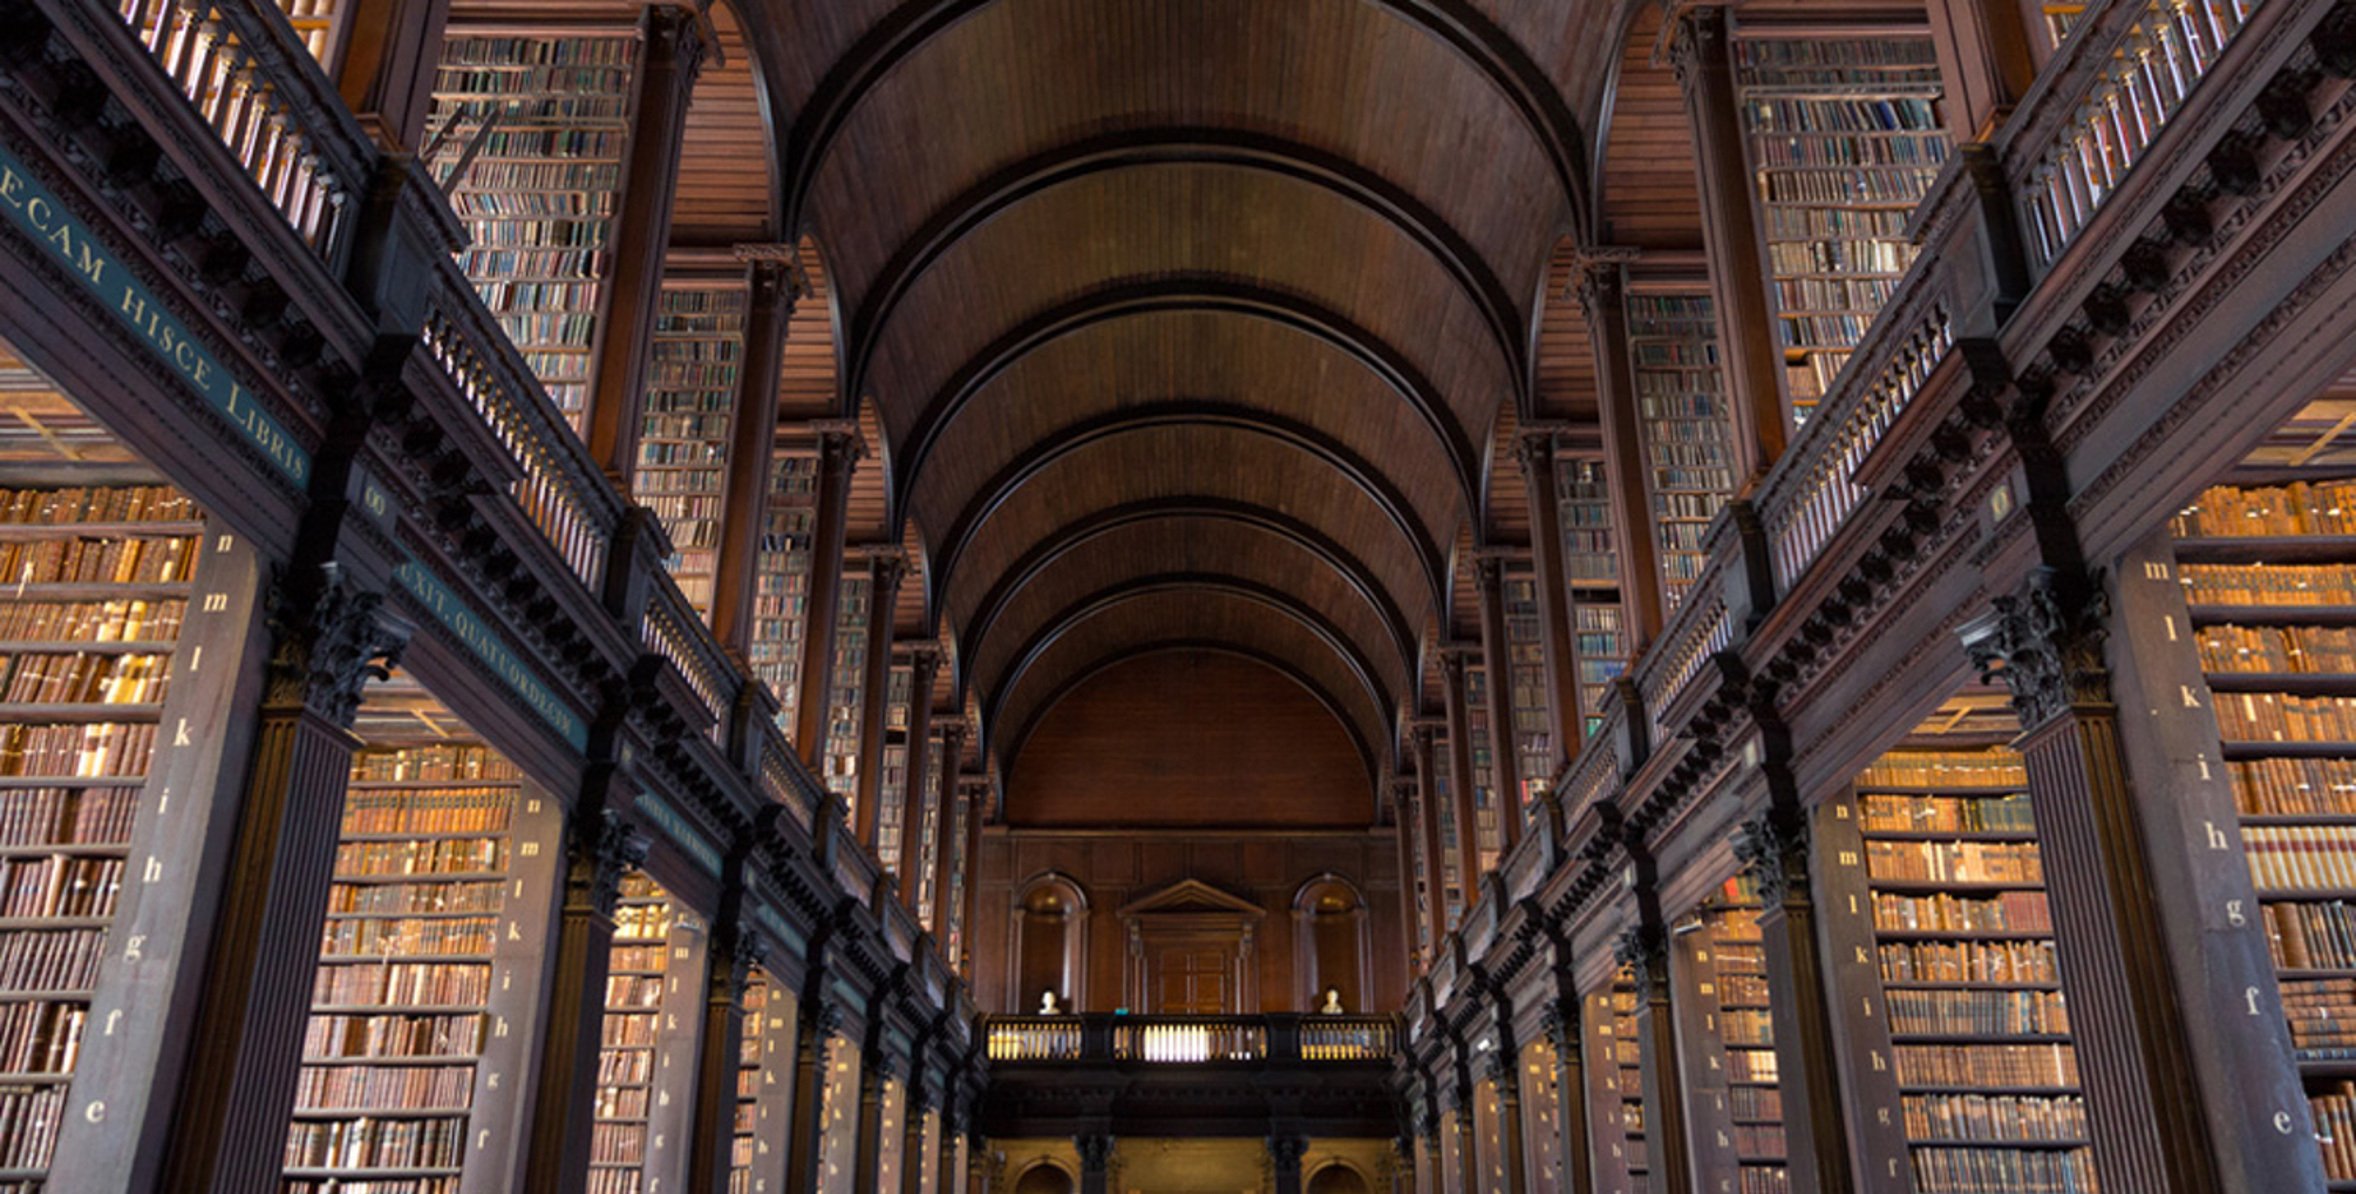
column 1045, row 1178
column 1329, row 943
column 1050, row 938
column 1337, row 1178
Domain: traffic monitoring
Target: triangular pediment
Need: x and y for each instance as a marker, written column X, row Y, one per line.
column 1191, row 896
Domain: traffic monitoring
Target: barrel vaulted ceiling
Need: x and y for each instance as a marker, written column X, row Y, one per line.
column 1186, row 322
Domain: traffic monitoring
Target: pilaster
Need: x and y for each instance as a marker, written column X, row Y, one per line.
column 839, row 450
column 885, row 570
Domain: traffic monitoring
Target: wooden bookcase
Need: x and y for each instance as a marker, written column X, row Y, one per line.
column 1442, row 786
column 1727, row 1042
column 527, row 136
column 1844, row 139
column 694, row 357
column 1591, row 560
column 781, row 601
column 1530, row 690
column 891, row 790
column 1687, row 426
column 415, row 1056
column 98, row 586
column 2268, row 574
column 646, row 1066
column 845, row 698
column 1960, row 1060
column 1488, row 816
column 758, row 1162
column 1615, row 1081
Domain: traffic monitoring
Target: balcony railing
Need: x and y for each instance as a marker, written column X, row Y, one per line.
column 1190, row 1040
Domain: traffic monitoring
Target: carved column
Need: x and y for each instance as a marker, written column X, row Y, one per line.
column 885, row 570
column 601, row 848
column 672, row 57
column 1603, row 296
column 1749, row 344
column 1460, row 770
column 1561, row 1023
column 1435, row 857
column 329, row 638
column 969, row 868
column 1774, row 850
column 875, row 1077
column 912, row 1145
column 839, row 449
column 1645, row 949
column 1505, row 1082
column 736, row 951
column 1096, row 1161
column 813, row 1035
column 1534, row 451
column 981, row 1166
column 924, row 663
column 1285, row 1150
column 947, row 1174
column 1505, row 781
column 777, row 283
column 945, row 826
column 2044, row 643
column 1459, row 1125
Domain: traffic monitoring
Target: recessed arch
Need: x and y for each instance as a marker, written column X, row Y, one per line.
column 1362, row 474
column 1193, row 292
column 1457, row 24
column 1130, row 149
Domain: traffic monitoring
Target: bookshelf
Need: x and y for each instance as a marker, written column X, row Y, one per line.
column 1687, row 426
column 2278, row 657
column 758, row 1163
column 891, row 789
column 444, row 877
column 645, row 1066
column 1725, row 1027
column 694, row 357
column 1937, row 878
column 928, row 865
column 845, row 697
column 526, row 134
column 782, row 594
column 1615, row 1098
column 1591, row 558
column 1845, row 140
column 1443, row 794
column 99, row 580
column 1531, row 693
column 1487, row 817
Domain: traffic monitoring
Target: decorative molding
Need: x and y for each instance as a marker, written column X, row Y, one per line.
column 330, row 643
column 2044, row 643
column 619, row 847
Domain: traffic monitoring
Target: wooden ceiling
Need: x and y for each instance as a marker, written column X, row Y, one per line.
column 1204, row 323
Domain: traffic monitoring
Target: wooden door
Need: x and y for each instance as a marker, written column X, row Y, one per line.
column 1195, row 980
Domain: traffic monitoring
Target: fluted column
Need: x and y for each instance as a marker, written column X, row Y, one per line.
column 839, row 449
column 330, row 637
column 1603, row 296
column 601, row 848
column 776, row 283
column 1749, row 345
column 2045, row 644
column 1460, row 769
column 924, row 663
column 885, row 570
column 673, row 55
column 1534, row 451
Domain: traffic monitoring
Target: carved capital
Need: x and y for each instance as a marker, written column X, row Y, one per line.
column 1597, row 280
column 2044, row 643
column 1695, row 42
column 1489, row 570
column 840, row 446
column 822, row 1018
column 675, row 35
column 1534, row 452
column 331, row 639
column 745, row 955
column 1096, row 1151
column 1775, row 854
column 776, row 271
column 1640, row 946
column 886, row 568
column 1504, row 1074
column 619, row 848
column 1285, row 1152
column 1559, row 1020
column 1453, row 660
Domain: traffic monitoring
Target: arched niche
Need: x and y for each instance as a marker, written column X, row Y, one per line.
column 1337, row 1177
column 1330, row 944
column 1044, row 1178
column 1050, row 943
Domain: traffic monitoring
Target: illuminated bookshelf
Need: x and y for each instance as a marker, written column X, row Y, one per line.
column 891, row 793
column 527, row 135
column 1724, row 1017
column 1531, row 692
column 1686, row 425
column 846, row 696
column 781, row 601
column 1845, row 139
column 694, row 358
column 1488, row 819
column 1592, row 563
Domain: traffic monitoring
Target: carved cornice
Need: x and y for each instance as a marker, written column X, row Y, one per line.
column 2044, row 643
column 332, row 638
column 1774, row 855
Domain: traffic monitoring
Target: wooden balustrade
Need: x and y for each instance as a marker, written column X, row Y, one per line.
column 673, row 631
column 247, row 75
column 1158, row 1040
